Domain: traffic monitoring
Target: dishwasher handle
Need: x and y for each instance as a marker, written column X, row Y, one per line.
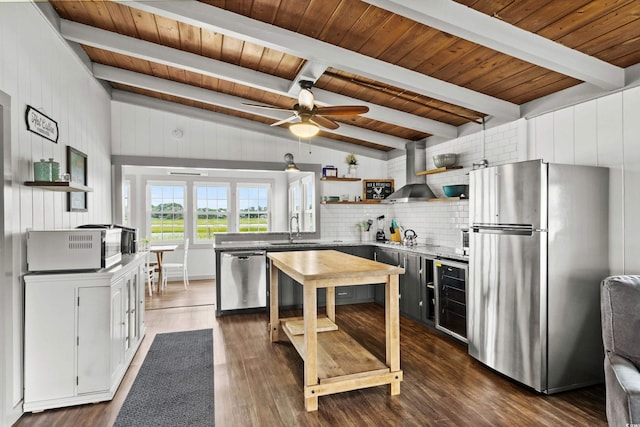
column 244, row 254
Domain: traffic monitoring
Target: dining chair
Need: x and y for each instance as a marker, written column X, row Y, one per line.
column 172, row 267
column 150, row 272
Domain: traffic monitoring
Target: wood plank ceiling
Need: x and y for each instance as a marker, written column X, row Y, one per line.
column 423, row 69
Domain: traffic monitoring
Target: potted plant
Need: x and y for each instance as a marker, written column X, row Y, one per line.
column 352, row 162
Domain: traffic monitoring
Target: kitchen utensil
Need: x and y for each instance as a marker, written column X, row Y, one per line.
column 455, row 190
column 369, row 224
column 395, row 232
column 444, row 160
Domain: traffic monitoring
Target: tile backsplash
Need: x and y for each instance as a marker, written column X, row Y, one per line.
column 437, row 223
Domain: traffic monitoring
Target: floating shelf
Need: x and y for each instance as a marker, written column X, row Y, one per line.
column 335, row 178
column 438, row 170
column 448, row 199
column 66, row 187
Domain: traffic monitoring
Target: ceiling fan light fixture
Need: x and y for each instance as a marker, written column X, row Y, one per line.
column 304, row 129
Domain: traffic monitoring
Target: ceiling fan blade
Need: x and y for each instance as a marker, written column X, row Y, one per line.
column 324, row 122
column 268, row 107
column 342, row 110
column 287, row 120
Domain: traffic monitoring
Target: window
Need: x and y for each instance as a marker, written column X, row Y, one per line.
column 126, row 202
column 166, row 211
column 301, row 203
column 309, row 205
column 211, row 210
column 294, row 198
column 253, row 208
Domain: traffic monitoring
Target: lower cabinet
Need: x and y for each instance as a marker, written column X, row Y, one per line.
column 81, row 333
column 416, row 284
column 411, row 293
column 387, row 256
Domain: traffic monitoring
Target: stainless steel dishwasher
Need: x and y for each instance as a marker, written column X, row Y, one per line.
column 243, row 281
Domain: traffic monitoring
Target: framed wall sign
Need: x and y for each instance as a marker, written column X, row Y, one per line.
column 41, row 124
column 376, row 189
column 77, row 168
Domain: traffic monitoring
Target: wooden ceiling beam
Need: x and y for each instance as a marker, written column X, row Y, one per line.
column 102, row 39
column 467, row 23
column 182, row 90
column 311, row 71
column 243, row 28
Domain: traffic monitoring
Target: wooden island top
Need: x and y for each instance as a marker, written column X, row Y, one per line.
column 323, row 266
column 333, row 361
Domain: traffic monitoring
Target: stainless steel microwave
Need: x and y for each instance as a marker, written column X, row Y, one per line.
column 73, row 249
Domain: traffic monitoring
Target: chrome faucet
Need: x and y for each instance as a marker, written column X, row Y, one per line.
column 291, row 236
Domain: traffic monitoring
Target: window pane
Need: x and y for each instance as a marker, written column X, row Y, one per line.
column 211, row 211
column 126, row 204
column 167, row 212
column 253, row 204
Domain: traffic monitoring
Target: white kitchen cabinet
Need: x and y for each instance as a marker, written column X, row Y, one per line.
column 81, row 333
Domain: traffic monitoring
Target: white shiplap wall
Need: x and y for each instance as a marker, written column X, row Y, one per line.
column 38, row 68
column 603, row 132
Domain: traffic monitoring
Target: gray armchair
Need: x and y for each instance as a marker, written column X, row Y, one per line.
column 620, row 306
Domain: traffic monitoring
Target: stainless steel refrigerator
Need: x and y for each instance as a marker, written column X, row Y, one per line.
column 538, row 251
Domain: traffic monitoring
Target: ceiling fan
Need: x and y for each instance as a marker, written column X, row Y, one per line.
column 312, row 116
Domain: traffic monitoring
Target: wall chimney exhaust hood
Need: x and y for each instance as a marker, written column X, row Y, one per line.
column 416, row 189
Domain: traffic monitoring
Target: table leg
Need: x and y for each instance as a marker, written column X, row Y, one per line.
column 310, row 343
column 159, row 258
column 392, row 328
column 331, row 304
column 274, row 322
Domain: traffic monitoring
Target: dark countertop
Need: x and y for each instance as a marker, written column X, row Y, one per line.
column 422, row 249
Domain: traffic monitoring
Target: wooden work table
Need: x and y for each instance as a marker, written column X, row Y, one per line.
column 333, row 361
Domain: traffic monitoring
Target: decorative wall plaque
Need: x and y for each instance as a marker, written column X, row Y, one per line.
column 41, row 124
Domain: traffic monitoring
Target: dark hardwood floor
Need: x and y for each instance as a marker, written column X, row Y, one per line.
column 260, row 384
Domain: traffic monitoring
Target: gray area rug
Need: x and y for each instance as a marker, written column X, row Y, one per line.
column 175, row 384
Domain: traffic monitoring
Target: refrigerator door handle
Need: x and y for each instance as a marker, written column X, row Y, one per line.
column 511, row 229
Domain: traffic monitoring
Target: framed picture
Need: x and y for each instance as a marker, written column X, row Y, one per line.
column 376, row 189
column 77, row 169
column 330, row 171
